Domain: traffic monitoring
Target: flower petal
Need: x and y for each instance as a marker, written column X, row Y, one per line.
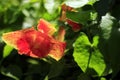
column 61, row 34
column 11, row 38
column 57, row 51
column 75, row 26
column 29, row 42
column 45, row 27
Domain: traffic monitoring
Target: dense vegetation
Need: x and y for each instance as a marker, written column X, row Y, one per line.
column 93, row 47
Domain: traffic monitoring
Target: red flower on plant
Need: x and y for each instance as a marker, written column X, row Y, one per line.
column 75, row 26
column 35, row 43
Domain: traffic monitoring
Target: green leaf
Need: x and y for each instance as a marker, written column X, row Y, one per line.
column 41, row 68
column 46, row 78
column 91, row 2
column 109, row 43
column 7, row 50
column 83, row 76
column 83, row 15
column 114, row 49
column 87, row 55
column 55, row 70
column 103, row 78
column 12, row 71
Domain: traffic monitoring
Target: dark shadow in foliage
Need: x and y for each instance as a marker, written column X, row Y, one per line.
column 70, row 69
column 110, row 48
column 37, row 71
column 115, row 11
column 29, row 71
column 19, row 20
column 1, row 50
column 103, row 6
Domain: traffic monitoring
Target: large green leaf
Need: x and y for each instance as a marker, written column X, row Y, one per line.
column 84, row 15
column 87, row 55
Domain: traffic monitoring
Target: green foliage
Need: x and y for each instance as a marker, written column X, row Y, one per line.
column 91, row 54
column 83, row 16
column 7, row 50
column 87, row 55
column 12, row 71
column 109, row 41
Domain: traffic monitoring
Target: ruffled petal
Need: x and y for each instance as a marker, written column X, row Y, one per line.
column 61, row 34
column 45, row 27
column 29, row 42
column 57, row 50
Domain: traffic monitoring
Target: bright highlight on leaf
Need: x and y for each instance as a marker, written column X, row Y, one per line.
column 86, row 54
column 35, row 43
column 7, row 50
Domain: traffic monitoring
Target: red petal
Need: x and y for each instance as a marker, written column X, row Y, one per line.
column 45, row 27
column 57, row 50
column 75, row 26
column 11, row 38
column 61, row 34
column 63, row 16
column 23, row 46
column 29, row 42
column 35, row 43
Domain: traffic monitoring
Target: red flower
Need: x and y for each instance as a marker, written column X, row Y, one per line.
column 75, row 26
column 35, row 43
column 64, row 9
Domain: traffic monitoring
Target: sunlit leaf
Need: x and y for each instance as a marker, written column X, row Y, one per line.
column 91, row 2
column 83, row 15
column 46, row 78
column 7, row 50
column 87, row 55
